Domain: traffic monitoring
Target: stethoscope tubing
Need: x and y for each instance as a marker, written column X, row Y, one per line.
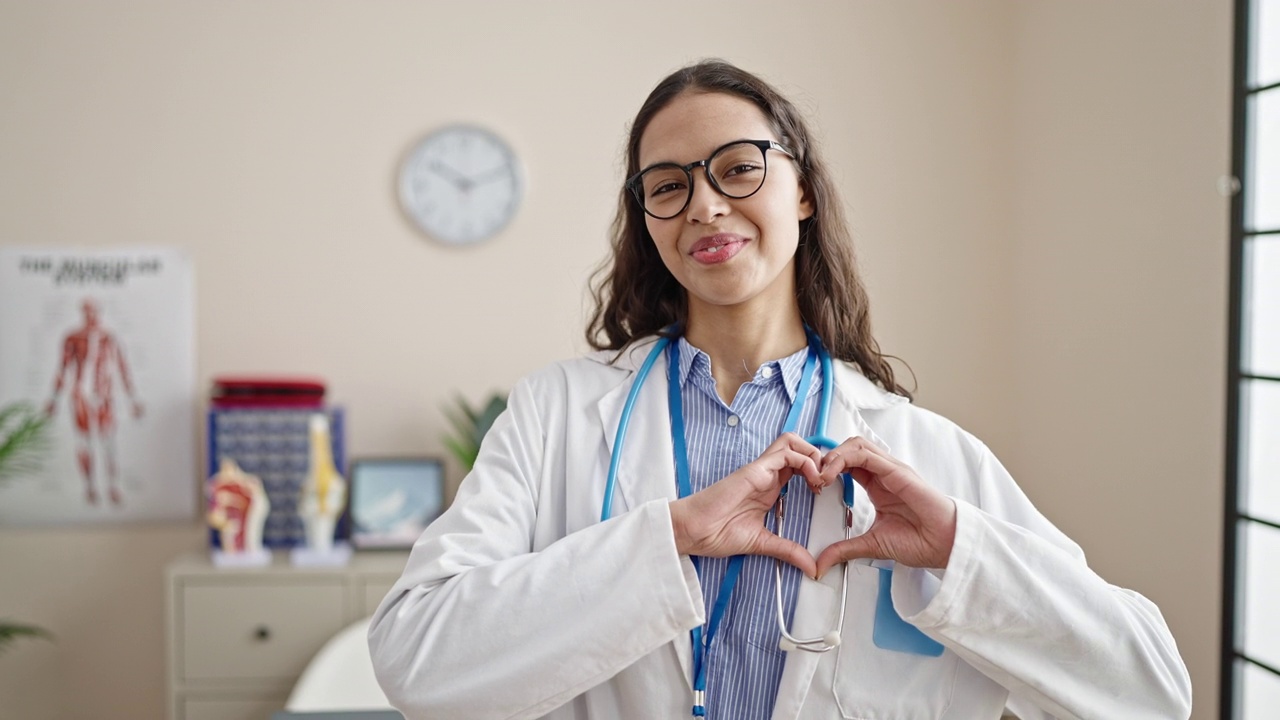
column 606, row 509
column 819, row 439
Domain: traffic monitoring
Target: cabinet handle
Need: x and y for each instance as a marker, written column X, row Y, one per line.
column 262, row 633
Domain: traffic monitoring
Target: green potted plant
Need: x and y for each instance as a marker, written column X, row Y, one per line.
column 470, row 425
column 24, row 440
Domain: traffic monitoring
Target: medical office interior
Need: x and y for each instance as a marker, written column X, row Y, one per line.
column 1036, row 191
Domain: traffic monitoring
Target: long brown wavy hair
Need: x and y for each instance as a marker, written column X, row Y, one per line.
column 636, row 296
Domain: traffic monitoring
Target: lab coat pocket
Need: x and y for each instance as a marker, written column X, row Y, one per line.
column 874, row 683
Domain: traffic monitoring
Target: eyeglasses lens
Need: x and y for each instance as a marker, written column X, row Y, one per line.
column 737, row 171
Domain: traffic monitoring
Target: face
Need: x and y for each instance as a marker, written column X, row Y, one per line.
column 90, row 311
column 726, row 252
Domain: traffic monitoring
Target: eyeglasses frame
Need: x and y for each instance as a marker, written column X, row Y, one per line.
column 633, row 183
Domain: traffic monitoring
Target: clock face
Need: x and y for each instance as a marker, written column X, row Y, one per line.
column 461, row 184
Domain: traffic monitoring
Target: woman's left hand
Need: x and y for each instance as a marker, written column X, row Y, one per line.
column 915, row 524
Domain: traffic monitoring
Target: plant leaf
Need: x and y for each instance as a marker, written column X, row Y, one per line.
column 462, row 424
column 23, row 447
column 12, row 631
column 465, row 453
column 497, row 404
column 465, row 406
column 10, row 412
column 469, row 427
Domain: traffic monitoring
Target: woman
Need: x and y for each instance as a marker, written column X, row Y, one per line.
column 543, row 592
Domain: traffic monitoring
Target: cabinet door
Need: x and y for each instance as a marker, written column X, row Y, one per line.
column 266, row 633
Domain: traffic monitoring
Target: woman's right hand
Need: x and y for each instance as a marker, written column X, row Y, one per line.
column 727, row 518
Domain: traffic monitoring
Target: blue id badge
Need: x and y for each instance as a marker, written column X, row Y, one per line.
column 891, row 632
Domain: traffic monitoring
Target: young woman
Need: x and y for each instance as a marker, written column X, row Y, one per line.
column 732, row 508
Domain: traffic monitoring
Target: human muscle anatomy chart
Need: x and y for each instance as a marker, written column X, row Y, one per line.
column 103, row 342
column 91, row 360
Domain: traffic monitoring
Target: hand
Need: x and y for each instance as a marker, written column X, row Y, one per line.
column 915, row 524
column 728, row 517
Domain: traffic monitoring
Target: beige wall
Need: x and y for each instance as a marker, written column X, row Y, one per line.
column 1031, row 186
column 1120, row 251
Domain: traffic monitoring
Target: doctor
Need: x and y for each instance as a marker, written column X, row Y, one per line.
column 947, row 596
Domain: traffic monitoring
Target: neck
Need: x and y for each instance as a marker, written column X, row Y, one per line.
column 740, row 340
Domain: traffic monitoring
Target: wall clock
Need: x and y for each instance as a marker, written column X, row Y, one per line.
column 461, row 184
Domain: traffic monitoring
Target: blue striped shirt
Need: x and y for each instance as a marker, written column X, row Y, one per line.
column 745, row 664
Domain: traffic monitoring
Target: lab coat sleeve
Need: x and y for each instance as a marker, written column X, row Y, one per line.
column 1018, row 602
column 481, row 625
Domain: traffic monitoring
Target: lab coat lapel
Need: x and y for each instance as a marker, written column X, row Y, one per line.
column 818, row 603
column 646, row 468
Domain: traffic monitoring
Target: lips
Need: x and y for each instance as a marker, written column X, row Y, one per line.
column 714, row 249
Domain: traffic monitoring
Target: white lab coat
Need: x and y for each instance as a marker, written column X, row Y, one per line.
column 519, row 603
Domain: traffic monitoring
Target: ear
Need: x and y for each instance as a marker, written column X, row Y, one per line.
column 806, row 205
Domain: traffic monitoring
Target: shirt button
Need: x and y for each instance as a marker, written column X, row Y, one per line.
column 732, row 421
column 766, row 371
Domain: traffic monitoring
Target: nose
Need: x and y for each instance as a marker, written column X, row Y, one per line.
column 706, row 204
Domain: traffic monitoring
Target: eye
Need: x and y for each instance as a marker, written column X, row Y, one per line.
column 741, row 168
column 663, row 180
column 666, row 187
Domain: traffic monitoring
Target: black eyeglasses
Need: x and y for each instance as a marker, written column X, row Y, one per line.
column 736, row 170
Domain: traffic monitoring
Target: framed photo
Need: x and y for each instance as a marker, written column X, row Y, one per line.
column 392, row 500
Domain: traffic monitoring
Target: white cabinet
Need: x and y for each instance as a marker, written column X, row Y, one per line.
column 238, row 638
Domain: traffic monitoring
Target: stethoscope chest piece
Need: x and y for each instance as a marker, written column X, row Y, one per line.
column 830, row 640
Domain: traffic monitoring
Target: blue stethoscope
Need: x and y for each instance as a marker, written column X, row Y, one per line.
column 817, row 353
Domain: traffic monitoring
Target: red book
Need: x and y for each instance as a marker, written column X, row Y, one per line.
column 230, row 391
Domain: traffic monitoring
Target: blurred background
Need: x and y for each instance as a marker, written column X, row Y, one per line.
column 1033, row 189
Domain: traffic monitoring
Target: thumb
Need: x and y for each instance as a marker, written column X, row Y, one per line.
column 862, row 546
column 787, row 551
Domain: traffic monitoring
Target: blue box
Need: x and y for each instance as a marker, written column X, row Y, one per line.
column 275, row 445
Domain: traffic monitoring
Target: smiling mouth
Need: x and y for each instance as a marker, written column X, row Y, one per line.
column 717, row 248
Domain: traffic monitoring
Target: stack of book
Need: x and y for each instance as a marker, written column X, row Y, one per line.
column 263, row 424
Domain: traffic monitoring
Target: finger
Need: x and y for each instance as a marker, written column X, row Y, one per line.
column 847, row 458
column 793, row 442
column 862, row 546
column 797, row 462
column 787, row 551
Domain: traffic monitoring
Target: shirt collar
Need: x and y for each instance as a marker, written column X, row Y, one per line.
column 850, row 384
column 696, row 362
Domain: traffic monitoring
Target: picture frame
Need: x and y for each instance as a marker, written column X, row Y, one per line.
column 393, row 499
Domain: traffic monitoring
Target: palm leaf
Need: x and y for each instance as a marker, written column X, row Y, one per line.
column 465, row 452
column 12, row 631
column 469, row 427
column 24, row 440
column 497, row 404
column 461, row 417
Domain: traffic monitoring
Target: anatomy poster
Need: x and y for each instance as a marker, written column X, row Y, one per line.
column 102, row 341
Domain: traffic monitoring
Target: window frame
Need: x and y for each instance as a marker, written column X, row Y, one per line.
column 1236, row 519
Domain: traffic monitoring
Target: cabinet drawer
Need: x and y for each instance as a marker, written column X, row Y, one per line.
column 260, row 632
column 230, row 709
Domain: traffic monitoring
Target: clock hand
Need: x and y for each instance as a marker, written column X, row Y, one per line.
column 462, row 182
column 494, row 174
